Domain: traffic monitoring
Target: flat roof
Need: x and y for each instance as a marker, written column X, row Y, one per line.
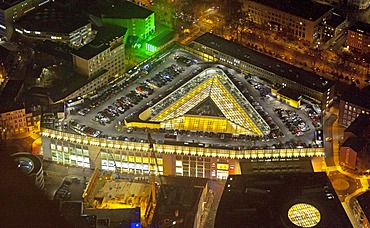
column 336, row 20
column 181, row 194
column 119, row 9
column 5, row 4
column 280, row 68
column 355, row 143
column 364, row 201
column 290, row 93
column 53, row 17
column 360, row 27
column 360, row 98
column 4, row 53
column 264, row 200
column 162, row 38
column 360, row 125
column 8, row 95
column 101, row 41
column 304, row 8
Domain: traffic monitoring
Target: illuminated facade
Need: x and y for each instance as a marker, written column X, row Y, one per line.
column 104, row 56
column 133, row 157
column 31, row 166
column 138, row 20
column 238, row 115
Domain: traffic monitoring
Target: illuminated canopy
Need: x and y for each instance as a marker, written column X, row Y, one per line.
column 238, row 115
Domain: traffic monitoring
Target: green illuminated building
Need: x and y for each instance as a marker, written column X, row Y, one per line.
column 160, row 41
column 138, row 20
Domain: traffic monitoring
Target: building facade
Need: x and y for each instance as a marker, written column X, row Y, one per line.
column 104, row 56
column 134, row 157
column 351, row 105
column 358, row 38
column 302, row 20
column 334, row 28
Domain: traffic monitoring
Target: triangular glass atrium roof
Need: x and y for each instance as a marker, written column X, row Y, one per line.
column 212, row 84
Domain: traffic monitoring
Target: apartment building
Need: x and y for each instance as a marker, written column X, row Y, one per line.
column 358, row 38
column 104, row 56
column 351, row 105
column 301, row 19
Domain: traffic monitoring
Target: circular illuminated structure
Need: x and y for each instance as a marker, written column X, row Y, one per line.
column 304, row 215
column 31, row 165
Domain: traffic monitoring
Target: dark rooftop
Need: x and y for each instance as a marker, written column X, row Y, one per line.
column 263, row 200
column 364, row 201
column 360, row 125
column 9, row 95
column 355, row 143
column 5, row 4
column 4, row 53
column 360, row 27
column 179, row 194
column 305, row 78
column 360, row 98
column 304, row 8
column 53, row 17
column 335, row 20
column 119, row 9
column 290, row 93
column 101, row 41
column 162, row 38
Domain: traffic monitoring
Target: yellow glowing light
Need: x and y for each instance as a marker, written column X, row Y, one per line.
column 304, row 215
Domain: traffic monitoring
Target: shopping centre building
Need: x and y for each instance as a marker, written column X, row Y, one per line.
column 177, row 158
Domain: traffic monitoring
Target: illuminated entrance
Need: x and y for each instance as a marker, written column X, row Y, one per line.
column 208, row 102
